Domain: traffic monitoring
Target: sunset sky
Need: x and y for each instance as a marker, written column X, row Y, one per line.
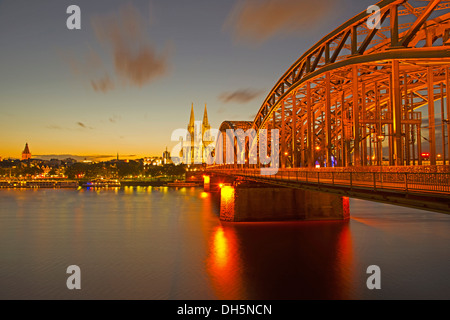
column 126, row 80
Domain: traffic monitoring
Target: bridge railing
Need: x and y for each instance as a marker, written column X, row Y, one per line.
column 402, row 181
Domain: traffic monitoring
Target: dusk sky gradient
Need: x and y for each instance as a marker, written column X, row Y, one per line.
column 126, row 80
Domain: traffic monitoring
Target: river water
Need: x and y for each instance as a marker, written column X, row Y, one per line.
column 162, row 243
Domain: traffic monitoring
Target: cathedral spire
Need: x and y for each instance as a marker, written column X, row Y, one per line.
column 192, row 119
column 205, row 118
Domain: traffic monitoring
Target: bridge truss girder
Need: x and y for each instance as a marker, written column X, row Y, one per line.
column 360, row 96
column 332, row 115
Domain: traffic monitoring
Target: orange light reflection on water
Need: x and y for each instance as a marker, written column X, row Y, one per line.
column 204, row 195
column 224, row 264
column 220, row 247
column 345, row 261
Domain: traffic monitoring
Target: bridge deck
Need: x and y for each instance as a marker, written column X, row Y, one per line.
column 429, row 191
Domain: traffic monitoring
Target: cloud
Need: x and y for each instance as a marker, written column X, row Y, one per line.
column 240, row 96
column 114, row 118
column 136, row 61
column 90, row 63
column 54, row 127
column 79, row 125
column 256, row 21
column 103, row 85
column 221, row 109
column 82, row 125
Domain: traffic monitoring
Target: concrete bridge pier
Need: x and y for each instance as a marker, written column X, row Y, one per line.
column 265, row 203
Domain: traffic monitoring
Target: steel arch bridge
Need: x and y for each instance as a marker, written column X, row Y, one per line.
column 362, row 96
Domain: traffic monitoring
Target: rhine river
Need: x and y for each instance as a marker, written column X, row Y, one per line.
column 162, row 243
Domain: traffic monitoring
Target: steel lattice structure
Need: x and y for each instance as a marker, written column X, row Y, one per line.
column 361, row 95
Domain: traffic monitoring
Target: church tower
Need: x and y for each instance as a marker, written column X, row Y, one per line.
column 191, row 125
column 190, row 150
column 206, row 135
column 197, row 139
column 26, row 154
column 205, row 124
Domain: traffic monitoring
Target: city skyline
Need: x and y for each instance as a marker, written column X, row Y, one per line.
column 93, row 157
column 63, row 91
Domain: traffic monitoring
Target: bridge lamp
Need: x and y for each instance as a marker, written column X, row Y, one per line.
column 317, row 148
column 439, row 156
column 286, row 153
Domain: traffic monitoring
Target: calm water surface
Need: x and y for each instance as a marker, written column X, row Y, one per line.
column 161, row 243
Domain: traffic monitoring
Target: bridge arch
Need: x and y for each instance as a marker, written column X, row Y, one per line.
column 364, row 96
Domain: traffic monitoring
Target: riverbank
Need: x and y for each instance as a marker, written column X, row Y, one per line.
column 78, row 183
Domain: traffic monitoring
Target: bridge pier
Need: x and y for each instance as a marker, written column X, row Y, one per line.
column 266, row 203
